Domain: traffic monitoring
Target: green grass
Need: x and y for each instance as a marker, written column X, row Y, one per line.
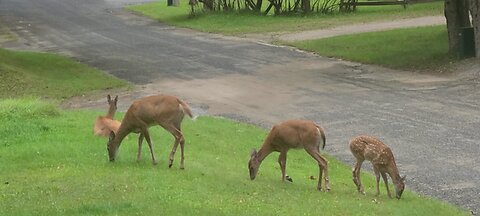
column 51, row 164
column 49, row 76
column 421, row 48
column 242, row 23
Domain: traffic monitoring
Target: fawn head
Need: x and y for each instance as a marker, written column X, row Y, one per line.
column 399, row 187
column 253, row 164
column 111, row 147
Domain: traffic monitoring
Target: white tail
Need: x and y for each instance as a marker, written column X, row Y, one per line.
column 165, row 110
column 106, row 124
column 369, row 148
column 292, row 134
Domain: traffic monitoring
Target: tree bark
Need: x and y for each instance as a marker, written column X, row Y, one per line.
column 475, row 12
column 306, row 6
column 456, row 13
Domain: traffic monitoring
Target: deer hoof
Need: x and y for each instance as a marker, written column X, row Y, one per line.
column 155, row 162
column 288, row 178
column 170, row 165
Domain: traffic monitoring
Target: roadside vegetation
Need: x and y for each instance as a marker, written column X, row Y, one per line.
column 241, row 23
column 51, row 164
column 420, row 48
column 49, row 76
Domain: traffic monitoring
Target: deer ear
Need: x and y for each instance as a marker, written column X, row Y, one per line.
column 254, row 153
column 116, row 99
column 404, row 178
column 108, row 98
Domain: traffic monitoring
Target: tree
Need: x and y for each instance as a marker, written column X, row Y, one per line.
column 475, row 12
column 456, row 13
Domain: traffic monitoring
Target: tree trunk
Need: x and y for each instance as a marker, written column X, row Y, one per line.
column 306, row 6
column 456, row 13
column 258, row 6
column 475, row 12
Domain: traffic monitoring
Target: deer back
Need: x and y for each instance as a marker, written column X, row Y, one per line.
column 295, row 134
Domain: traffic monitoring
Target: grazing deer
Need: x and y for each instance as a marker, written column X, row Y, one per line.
column 165, row 110
column 369, row 148
column 292, row 134
column 106, row 124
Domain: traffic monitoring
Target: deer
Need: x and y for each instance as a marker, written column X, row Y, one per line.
column 369, row 148
column 106, row 124
column 292, row 134
column 165, row 110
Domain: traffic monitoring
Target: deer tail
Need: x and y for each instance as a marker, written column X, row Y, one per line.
column 186, row 109
column 322, row 134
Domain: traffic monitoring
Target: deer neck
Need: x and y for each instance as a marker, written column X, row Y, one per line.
column 111, row 113
column 393, row 172
column 122, row 132
column 263, row 153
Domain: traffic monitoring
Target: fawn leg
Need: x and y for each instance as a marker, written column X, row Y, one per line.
column 377, row 178
column 385, row 179
column 356, row 176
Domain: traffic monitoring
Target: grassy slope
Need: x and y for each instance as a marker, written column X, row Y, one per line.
column 424, row 48
column 49, row 76
column 241, row 23
column 51, row 164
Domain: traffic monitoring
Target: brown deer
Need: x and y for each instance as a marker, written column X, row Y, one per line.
column 292, row 134
column 106, row 124
column 166, row 110
column 369, row 148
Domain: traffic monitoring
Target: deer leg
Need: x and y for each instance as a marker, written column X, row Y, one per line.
column 178, row 139
column 356, row 176
column 140, row 141
column 322, row 165
column 147, row 137
column 182, row 148
column 385, row 179
column 282, row 160
column 377, row 176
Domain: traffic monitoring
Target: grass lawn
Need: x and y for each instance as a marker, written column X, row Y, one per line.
column 422, row 48
column 242, row 23
column 49, row 76
column 51, row 164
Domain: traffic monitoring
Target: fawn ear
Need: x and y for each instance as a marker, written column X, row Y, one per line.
column 109, row 98
column 254, row 153
column 404, row 178
column 116, row 99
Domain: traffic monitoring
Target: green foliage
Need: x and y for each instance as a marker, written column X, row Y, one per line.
column 48, row 76
column 239, row 23
column 423, row 48
column 53, row 165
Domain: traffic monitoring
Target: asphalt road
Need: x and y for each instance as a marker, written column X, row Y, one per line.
column 430, row 122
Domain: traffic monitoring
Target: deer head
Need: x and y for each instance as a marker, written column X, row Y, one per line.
column 111, row 147
column 112, row 105
column 253, row 164
column 399, row 187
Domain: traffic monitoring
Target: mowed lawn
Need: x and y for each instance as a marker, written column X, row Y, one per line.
column 51, row 164
column 48, row 75
column 420, row 48
column 241, row 23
